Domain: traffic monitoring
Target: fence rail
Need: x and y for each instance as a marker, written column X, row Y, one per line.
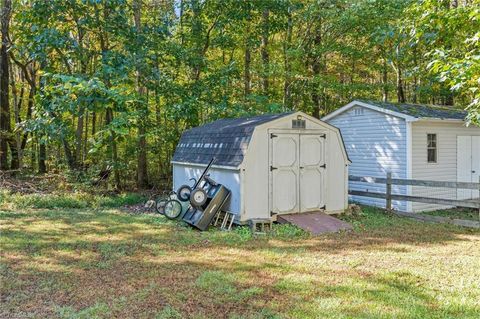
column 388, row 196
column 414, row 182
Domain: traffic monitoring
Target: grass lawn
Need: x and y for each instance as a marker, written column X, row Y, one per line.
column 458, row 213
column 104, row 263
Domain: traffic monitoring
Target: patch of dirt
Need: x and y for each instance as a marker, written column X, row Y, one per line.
column 138, row 209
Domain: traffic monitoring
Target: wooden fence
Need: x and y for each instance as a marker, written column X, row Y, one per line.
column 388, row 196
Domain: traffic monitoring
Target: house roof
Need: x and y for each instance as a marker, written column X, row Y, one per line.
column 422, row 110
column 407, row 111
column 226, row 139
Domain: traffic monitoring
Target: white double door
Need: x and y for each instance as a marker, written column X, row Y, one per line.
column 468, row 164
column 297, row 172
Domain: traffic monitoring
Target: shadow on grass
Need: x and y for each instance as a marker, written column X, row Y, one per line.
column 106, row 264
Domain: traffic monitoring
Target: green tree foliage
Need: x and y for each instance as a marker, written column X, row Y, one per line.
column 108, row 83
column 450, row 31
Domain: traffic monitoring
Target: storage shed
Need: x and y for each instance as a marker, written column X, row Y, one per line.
column 273, row 164
column 412, row 141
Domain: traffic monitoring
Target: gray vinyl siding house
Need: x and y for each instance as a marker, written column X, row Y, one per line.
column 387, row 137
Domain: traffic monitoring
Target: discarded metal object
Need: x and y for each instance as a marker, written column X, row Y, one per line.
column 224, row 220
column 201, row 217
column 173, row 208
column 197, row 205
column 161, row 201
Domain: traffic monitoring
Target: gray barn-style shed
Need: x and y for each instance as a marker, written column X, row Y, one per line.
column 273, row 164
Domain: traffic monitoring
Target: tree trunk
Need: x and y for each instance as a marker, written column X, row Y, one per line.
column 316, row 70
column 104, row 46
column 79, row 138
column 31, row 95
column 113, row 144
column 5, row 129
column 449, row 99
column 247, row 57
column 142, row 175
column 42, row 157
column 94, row 122
column 17, row 105
column 415, row 76
column 72, row 164
column 264, row 51
column 286, row 61
column 400, row 91
column 85, row 139
column 384, row 81
column 14, row 141
column 42, row 152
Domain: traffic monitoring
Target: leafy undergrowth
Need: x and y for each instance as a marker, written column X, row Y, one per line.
column 84, row 263
column 9, row 200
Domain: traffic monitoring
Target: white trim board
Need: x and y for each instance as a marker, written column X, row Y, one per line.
column 230, row 168
column 408, row 118
column 409, row 161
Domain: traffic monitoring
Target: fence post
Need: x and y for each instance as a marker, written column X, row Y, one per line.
column 389, row 192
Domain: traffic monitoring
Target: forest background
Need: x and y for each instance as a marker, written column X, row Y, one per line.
column 89, row 85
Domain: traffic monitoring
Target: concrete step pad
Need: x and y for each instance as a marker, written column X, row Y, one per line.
column 315, row 223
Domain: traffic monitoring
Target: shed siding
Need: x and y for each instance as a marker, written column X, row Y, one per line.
column 255, row 168
column 376, row 144
column 446, row 167
column 229, row 178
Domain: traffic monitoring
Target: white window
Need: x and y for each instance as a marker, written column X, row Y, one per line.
column 432, row 148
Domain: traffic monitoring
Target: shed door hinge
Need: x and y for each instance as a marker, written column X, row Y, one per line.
column 272, row 213
column 323, row 166
column 323, row 136
column 273, row 135
column 324, row 207
column 272, row 168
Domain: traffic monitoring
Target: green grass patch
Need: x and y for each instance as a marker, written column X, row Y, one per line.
column 97, row 311
column 224, row 286
column 457, row 213
column 10, row 200
column 104, row 263
column 169, row 313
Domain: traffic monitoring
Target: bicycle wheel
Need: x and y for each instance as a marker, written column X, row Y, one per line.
column 173, row 209
column 160, row 205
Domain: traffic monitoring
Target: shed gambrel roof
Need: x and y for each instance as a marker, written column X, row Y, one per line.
column 226, row 139
column 408, row 111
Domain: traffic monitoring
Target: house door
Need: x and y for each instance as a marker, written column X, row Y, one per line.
column 297, row 172
column 468, row 164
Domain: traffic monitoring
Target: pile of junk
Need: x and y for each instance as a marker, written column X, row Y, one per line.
column 199, row 205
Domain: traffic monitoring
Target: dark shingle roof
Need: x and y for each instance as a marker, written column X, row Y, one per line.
column 421, row 110
column 227, row 140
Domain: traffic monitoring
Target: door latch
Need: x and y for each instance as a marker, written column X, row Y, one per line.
column 272, row 168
